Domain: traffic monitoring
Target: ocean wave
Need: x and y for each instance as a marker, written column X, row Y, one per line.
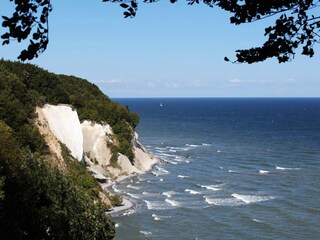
column 157, row 205
column 155, row 217
column 233, row 171
column 146, row 233
column 129, row 212
column 263, row 172
column 161, row 180
column 162, row 169
column 133, row 187
column 211, row 187
column 192, row 191
column 166, row 155
column 160, row 148
column 159, row 152
column 150, row 194
column 256, row 220
column 248, row 199
column 117, row 225
column 169, row 194
column 182, row 176
column 218, row 151
column 193, row 145
column 115, row 189
column 206, row 144
column 136, row 196
column 172, row 202
column 222, row 201
column 283, row 168
column 180, row 148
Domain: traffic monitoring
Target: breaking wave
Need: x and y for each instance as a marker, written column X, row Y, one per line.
column 248, row 199
column 192, row 191
column 283, row 168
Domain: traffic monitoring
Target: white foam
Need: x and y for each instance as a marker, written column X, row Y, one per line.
column 263, row 172
column 161, row 180
column 166, row 155
column 283, row 168
column 147, row 193
column 256, row 220
column 159, row 148
column 146, row 233
column 222, row 201
column 194, row 145
column 129, row 212
column 172, row 150
column 169, row 194
column 157, row 205
column 192, row 191
column 155, row 217
column 206, row 144
column 133, row 187
column 210, row 187
column 117, row 225
column 221, row 167
column 115, row 189
column 232, row 171
column 172, row 202
column 162, row 169
column 182, row 176
column 174, row 163
column 248, row 199
column 218, row 151
column 134, row 195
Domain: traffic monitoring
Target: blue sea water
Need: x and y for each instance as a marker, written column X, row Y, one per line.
column 230, row 169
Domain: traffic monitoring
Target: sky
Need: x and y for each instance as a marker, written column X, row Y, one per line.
column 167, row 50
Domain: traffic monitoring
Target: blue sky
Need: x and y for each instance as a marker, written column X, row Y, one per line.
column 167, row 50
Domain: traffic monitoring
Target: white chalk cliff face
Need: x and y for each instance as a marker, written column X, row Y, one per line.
column 65, row 125
column 94, row 140
column 95, row 143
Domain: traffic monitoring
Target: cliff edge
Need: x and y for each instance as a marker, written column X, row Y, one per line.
column 91, row 142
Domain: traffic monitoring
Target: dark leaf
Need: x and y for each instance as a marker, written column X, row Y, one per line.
column 123, row 5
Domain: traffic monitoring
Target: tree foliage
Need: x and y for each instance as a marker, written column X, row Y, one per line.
column 40, row 202
column 25, row 86
column 296, row 27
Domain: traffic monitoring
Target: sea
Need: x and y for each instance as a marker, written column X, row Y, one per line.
column 230, row 168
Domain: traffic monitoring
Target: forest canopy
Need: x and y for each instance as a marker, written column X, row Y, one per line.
column 38, row 200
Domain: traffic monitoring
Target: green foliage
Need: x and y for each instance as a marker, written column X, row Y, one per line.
column 114, row 157
column 116, row 200
column 40, row 202
column 25, row 86
column 79, row 175
column 125, row 149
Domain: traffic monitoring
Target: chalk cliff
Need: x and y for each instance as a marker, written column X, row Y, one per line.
column 65, row 125
column 91, row 142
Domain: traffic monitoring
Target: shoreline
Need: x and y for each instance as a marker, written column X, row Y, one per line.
column 127, row 205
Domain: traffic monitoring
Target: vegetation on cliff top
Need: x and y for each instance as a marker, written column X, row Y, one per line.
column 25, row 86
column 37, row 200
